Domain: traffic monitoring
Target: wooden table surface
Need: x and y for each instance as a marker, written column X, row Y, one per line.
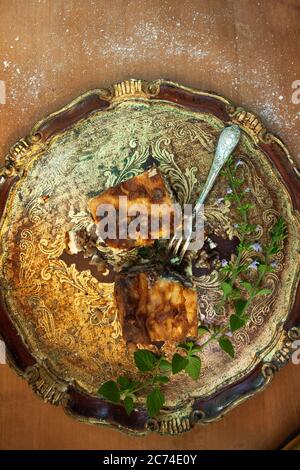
column 53, row 50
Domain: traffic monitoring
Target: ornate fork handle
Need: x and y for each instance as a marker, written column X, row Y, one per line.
column 227, row 142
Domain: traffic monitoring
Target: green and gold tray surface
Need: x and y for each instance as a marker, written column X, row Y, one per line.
column 58, row 316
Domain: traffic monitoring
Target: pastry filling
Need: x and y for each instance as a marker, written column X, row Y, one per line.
column 147, row 196
column 155, row 309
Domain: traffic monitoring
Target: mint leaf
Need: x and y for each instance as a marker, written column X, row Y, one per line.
column 236, row 182
column 178, row 363
column 278, row 232
column 202, row 330
column 226, row 269
column 186, row 346
column 145, row 360
column 165, row 366
column 235, row 294
column 226, row 345
column 226, row 288
column 195, row 349
column 161, row 379
column 264, row 292
column 193, row 367
column 236, row 322
column 155, row 401
column 245, row 208
column 262, row 269
column 124, row 383
column 247, row 285
column 239, row 306
column 110, row 391
column 129, row 405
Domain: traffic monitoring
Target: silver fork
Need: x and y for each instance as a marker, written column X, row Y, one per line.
column 228, row 140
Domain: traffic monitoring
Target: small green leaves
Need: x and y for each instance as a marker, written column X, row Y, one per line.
column 155, row 401
column 279, row 231
column 262, row 269
column 186, row 346
column 239, row 306
column 277, row 234
column 195, row 349
column 226, row 288
column 264, row 291
column 163, row 379
column 236, row 182
column 244, row 208
column 165, row 366
column 110, row 391
column 237, row 267
column 145, row 360
column 247, row 286
column 190, row 347
column 124, row 383
column 190, row 363
column 128, row 404
column 124, row 391
column 193, row 367
column 178, row 363
column 202, row 330
column 236, row 322
column 226, row 345
column 245, row 228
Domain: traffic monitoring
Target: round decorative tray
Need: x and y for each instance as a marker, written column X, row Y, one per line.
column 58, row 316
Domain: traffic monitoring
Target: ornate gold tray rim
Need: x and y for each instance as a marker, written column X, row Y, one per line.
column 39, row 376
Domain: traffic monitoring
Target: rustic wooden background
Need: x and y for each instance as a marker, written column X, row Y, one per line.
column 53, row 50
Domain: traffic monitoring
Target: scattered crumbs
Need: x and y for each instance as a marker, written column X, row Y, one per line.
column 67, row 30
column 11, row 47
column 17, row 38
column 280, row 97
column 6, row 64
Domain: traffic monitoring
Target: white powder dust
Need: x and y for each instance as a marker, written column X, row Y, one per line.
column 193, row 39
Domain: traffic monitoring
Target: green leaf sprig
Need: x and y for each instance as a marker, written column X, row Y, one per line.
column 242, row 293
column 125, row 391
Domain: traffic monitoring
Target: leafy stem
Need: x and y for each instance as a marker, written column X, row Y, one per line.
column 233, row 184
column 125, row 391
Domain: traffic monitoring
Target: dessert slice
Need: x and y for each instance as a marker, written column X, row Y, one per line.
column 148, row 191
column 154, row 308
